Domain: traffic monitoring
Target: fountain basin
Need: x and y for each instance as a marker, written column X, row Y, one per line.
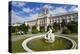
column 37, row 43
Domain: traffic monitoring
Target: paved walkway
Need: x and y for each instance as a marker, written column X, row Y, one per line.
column 19, row 37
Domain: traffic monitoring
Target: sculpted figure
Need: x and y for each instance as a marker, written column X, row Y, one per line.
column 49, row 37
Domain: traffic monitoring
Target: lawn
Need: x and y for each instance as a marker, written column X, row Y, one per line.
column 13, row 34
column 17, row 45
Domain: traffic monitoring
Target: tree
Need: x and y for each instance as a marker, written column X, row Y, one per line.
column 27, row 28
column 14, row 29
column 24, row 28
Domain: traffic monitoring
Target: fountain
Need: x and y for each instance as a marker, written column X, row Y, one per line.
column 49, row 37
column 41, row 42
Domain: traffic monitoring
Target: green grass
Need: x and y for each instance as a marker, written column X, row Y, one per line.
column 72, row 36
column 17, row 46
column 12, row 34
column 39, row 44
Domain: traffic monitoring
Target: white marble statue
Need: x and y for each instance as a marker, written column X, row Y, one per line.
column 49, row 37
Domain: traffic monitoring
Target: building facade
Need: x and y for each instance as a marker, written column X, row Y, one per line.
column 46, row 19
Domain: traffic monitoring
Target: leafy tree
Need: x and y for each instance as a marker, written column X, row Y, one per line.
column 27, row 28
column 14, row 29
column 24, row 28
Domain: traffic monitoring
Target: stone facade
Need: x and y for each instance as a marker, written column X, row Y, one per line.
column 45, row 19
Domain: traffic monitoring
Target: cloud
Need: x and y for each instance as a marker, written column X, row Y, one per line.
column 27, row 10
column 48, row 6
column 19, row 4
column 55, row 10
column 37, row 8
column 31, row 14
column 58, row 11
column 31, row 17
column 15, row 18
column 74, row 9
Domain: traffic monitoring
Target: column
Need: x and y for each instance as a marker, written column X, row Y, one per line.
column 38, row 26
column 47, row 23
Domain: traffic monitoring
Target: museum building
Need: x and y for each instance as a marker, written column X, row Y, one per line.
column 46, row 19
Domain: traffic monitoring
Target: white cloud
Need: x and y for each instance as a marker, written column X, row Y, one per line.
column 19, row 4
column 58, row 11
column 15, row 18
column 37, row 8
column 73, row 8
column 32, row 16
column 48, row 6
column 27, row 10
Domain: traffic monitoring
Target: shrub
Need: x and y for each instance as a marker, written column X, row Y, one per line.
column 34, row 30
column 14, row 29
column 65, row 30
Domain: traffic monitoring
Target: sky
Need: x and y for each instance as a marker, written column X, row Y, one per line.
column 25, row 11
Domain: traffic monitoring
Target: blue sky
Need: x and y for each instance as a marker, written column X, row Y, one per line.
column 25, row 11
